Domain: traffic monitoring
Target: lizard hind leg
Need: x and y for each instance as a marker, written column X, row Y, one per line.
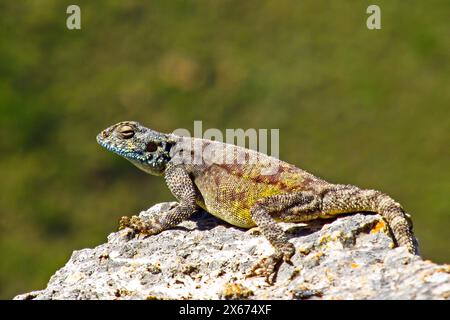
column 263, row 214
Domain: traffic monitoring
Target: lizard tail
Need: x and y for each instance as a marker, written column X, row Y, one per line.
column 347, row 198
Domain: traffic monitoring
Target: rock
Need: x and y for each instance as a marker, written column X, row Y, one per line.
column 204, row 258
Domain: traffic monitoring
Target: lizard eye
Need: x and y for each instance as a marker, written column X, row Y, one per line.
column 151, row 147
column 127, row 132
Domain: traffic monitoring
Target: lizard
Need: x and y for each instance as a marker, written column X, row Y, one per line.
column 245, row 188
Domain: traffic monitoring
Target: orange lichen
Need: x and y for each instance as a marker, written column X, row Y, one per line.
column 381, row 225
column 319, row 254
column 235, row 291
column 354, row 265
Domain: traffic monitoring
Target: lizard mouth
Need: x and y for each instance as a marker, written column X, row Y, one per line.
column 126, row 153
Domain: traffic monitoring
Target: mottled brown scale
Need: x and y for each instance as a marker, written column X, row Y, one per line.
column 229, row 190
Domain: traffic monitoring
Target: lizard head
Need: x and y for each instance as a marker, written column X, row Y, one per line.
column 145, row 148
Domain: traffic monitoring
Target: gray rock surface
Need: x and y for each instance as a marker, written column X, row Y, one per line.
column 347, row 258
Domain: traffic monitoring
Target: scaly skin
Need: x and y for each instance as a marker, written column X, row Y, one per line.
column 243, row 187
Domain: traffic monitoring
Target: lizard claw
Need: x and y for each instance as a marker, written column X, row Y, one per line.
column 139, row 226
column 124, row 222
column 267, row 267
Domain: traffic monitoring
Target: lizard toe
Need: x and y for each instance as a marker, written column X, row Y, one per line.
column 267, row 267
column 288, row 251
column 124, row 222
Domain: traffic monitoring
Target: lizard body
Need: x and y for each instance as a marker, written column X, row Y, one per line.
column 243, row 187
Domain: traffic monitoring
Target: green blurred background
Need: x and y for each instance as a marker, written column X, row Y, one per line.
column 355, row 106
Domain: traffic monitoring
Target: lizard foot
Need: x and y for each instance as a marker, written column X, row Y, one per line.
column 268, row 266
column 138, row 225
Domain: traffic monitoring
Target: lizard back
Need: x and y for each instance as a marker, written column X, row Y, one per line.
column 230, row 179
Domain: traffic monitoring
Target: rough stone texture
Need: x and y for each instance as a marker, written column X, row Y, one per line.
column 204, row 258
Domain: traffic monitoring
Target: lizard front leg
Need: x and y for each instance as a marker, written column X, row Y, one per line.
column 263, row 212
column 182, row 187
